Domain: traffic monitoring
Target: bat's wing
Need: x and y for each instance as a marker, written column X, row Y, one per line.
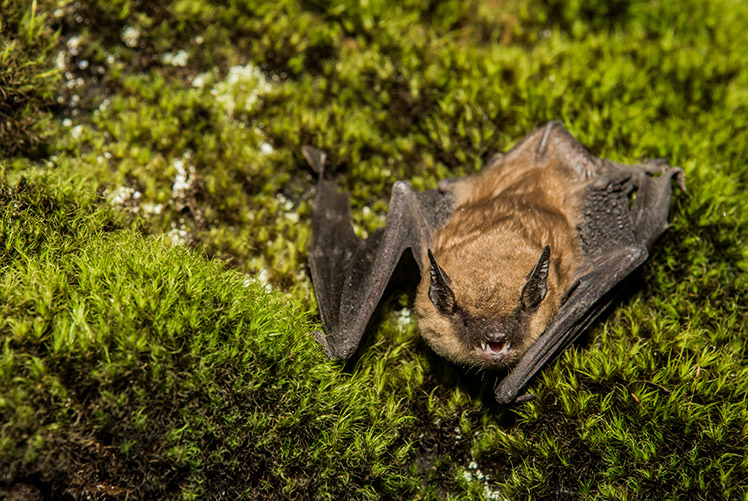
column 626, row 209
column 350, row 274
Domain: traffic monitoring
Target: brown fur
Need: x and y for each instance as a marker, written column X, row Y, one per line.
column 504, row 216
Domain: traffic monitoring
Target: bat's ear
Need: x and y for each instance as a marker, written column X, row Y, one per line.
column 439, row 292
column 537, row 285
column 316, row 158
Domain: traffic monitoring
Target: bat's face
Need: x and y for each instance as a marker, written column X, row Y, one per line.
column 483, row 318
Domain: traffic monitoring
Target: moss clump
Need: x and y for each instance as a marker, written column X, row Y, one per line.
column 27, row 79
column 130, row 366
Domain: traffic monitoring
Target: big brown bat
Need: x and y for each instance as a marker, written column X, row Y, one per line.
column 516, row 260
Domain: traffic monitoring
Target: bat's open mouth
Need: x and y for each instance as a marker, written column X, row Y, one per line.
column 495, row 351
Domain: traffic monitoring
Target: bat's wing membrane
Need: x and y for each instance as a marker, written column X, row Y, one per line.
column 350, row 274
column 626, row 210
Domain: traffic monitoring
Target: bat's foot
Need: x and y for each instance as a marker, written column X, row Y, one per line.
column 660, row 166
column 655, row 166
column 316, row 159
column 506, row 399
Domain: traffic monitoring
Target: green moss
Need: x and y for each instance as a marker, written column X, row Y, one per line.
column 129, row 361
column 121, row 350
column 27, row 78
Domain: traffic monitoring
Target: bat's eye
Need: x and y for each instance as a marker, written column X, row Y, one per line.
column 537, row 285
column 439, row 292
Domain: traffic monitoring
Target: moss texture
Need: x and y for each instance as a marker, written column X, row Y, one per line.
column 154, row 224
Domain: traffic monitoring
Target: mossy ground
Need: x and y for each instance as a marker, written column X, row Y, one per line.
column 154, row 208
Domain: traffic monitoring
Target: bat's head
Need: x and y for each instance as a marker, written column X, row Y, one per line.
column 486, row 317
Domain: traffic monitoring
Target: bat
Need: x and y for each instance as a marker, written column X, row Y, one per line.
column 516, row 261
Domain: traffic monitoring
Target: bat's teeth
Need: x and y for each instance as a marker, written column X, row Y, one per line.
column 495, row 348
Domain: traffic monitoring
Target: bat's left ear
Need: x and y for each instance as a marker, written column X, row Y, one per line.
column 537, row 285
column 439, row 292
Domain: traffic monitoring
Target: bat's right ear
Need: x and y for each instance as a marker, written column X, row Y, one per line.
column 316, row 158
column 439, row 292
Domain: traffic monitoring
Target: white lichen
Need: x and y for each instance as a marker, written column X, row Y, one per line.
column 241, row 90
column 151, row 209
column 120, row 195
column 474, row 474
column 178, row 58
column 71, row 82
column 178, row 233
column 76, row 131
column 261, row 278
column 293, row 217
column 184, row 177
column 200, row 80
column 286, row 206
column 61, row 60
column 404, row 317
column 73, row 45
column 284, row 203
column 489, row 493
column 131, row 36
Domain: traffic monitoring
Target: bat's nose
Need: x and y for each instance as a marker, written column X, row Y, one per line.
column 497, row 337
